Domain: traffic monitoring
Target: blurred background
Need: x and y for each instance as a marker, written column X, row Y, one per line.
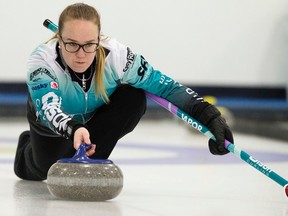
column 233, row 52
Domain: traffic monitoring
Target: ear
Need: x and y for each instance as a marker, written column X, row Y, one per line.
column 59, row 39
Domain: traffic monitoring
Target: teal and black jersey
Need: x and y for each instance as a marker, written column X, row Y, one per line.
column 55, row 99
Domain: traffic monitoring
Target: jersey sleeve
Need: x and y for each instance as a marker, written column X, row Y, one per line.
column 136, row 71
column 44, row 90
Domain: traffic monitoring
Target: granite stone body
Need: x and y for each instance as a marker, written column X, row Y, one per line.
column 80, row 181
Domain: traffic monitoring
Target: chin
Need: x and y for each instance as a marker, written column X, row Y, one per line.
column 79, row 70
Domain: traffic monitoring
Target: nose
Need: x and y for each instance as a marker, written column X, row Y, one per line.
column 81, row 52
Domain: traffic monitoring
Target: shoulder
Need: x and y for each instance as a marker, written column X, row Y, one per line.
column 41, row 62
column 114, row 48
column 116, row 51
column 45, row 50
column 43, row 54
column 118, row 55
column 111, row 43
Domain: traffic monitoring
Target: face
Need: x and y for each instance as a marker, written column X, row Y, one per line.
column 80, row 32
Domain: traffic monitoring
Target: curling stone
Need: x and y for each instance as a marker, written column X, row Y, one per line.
column 84, row 179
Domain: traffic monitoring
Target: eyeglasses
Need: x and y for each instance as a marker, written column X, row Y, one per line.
column 73, row 47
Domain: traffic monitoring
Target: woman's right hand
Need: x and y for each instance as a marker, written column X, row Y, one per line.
column 82, row 135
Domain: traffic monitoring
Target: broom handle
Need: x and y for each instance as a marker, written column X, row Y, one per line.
column 228, row 145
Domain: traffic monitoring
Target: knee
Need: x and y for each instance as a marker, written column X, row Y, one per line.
column 138, row 98
column 133, row 98
column 139, row 101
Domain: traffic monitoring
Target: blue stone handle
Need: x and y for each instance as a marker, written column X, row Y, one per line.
column 81, row 157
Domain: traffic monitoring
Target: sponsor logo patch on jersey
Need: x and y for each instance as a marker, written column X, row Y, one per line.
column 40, row 86
column 130, row 59
column 143, row 68
column 54, row 85
column 40, row 71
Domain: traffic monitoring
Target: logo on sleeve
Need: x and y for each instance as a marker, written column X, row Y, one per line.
column 54, row 85
column 143, row 68
column 34, row 76
column 40, row 86
column 130, row 59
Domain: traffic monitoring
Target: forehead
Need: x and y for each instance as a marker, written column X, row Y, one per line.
column 80, row 30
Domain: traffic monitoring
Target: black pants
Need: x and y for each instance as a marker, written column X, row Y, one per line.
column 36, row 153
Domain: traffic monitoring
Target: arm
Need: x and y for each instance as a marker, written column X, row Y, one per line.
column 44, row 89
column 142, row 75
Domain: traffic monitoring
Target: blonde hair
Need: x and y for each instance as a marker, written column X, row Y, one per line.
column 83, row 11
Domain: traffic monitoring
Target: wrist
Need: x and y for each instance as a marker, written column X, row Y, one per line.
column 72, row 126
